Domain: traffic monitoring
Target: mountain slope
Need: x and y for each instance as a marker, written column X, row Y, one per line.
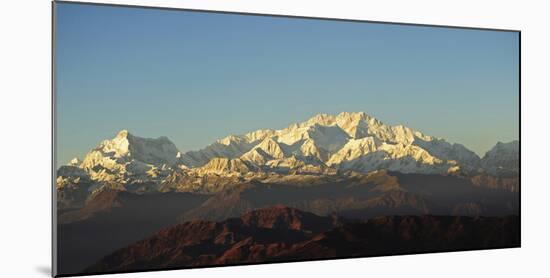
column 502, row 159
column 239, row 240
column 129, row 155
column 112, row 219
column 126, row 162
column 361, row 196
column 324, row 145
column 347, row 141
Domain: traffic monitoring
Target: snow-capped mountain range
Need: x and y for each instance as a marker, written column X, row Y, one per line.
column 323, row 145
column 347, row 141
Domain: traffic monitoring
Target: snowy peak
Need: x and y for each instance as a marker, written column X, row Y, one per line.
column 342, row 118
column 353, row 116
column 319, row 119
column 354, row 124
column 232, row 140
column 147, row 150
column 511, row 148
column 271, row 147
column 359, row 125
column 119, row 145
column 259, row 135
column 502, row 159
column 323, row 143
column 129, row 155
column 310, row 149
column 347, row 141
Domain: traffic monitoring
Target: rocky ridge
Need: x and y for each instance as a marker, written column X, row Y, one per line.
column 323, row 145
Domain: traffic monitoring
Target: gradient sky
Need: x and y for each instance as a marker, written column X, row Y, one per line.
column 196, row 77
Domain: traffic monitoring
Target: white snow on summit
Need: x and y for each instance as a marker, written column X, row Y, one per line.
column 350, row 141
column 127, row 154
column 322, row 144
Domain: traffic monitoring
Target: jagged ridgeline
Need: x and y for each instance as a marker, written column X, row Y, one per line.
column 329, row 169
column 325, row 145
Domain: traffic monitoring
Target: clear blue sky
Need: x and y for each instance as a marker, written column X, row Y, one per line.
column 196, row 77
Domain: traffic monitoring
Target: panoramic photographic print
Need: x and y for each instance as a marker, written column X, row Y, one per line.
column 189, row 139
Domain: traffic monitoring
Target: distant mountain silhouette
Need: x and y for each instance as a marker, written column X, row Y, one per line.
column 379, row 194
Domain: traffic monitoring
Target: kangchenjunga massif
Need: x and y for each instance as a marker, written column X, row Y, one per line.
column 349, row 174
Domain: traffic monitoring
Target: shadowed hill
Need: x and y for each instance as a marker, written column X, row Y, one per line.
column 113, row 219
column 376, row 195
column 282, row 234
